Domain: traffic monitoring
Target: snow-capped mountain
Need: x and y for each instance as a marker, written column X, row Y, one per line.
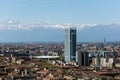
column 11, row 25
column 46, row 32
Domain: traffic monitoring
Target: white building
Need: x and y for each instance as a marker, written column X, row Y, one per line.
column 104, row 62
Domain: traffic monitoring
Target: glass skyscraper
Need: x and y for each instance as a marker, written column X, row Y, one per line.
column 70, row 44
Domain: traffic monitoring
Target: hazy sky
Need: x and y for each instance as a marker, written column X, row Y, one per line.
column 61, row 11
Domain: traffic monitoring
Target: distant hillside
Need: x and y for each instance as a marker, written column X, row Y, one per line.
column 46, row 32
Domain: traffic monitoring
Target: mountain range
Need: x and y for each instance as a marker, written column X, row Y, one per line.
column 11, row 31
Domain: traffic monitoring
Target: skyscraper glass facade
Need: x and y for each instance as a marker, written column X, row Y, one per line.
column 70, row 44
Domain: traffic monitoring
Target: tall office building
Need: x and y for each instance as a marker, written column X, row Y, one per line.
column 70, row 44
column 83, row 58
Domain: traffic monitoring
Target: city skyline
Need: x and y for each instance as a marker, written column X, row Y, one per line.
column 62, row 11
column 59, row 39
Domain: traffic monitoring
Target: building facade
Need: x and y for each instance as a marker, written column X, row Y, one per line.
column 105, row 59
column 70, row 44
column 82, row 58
